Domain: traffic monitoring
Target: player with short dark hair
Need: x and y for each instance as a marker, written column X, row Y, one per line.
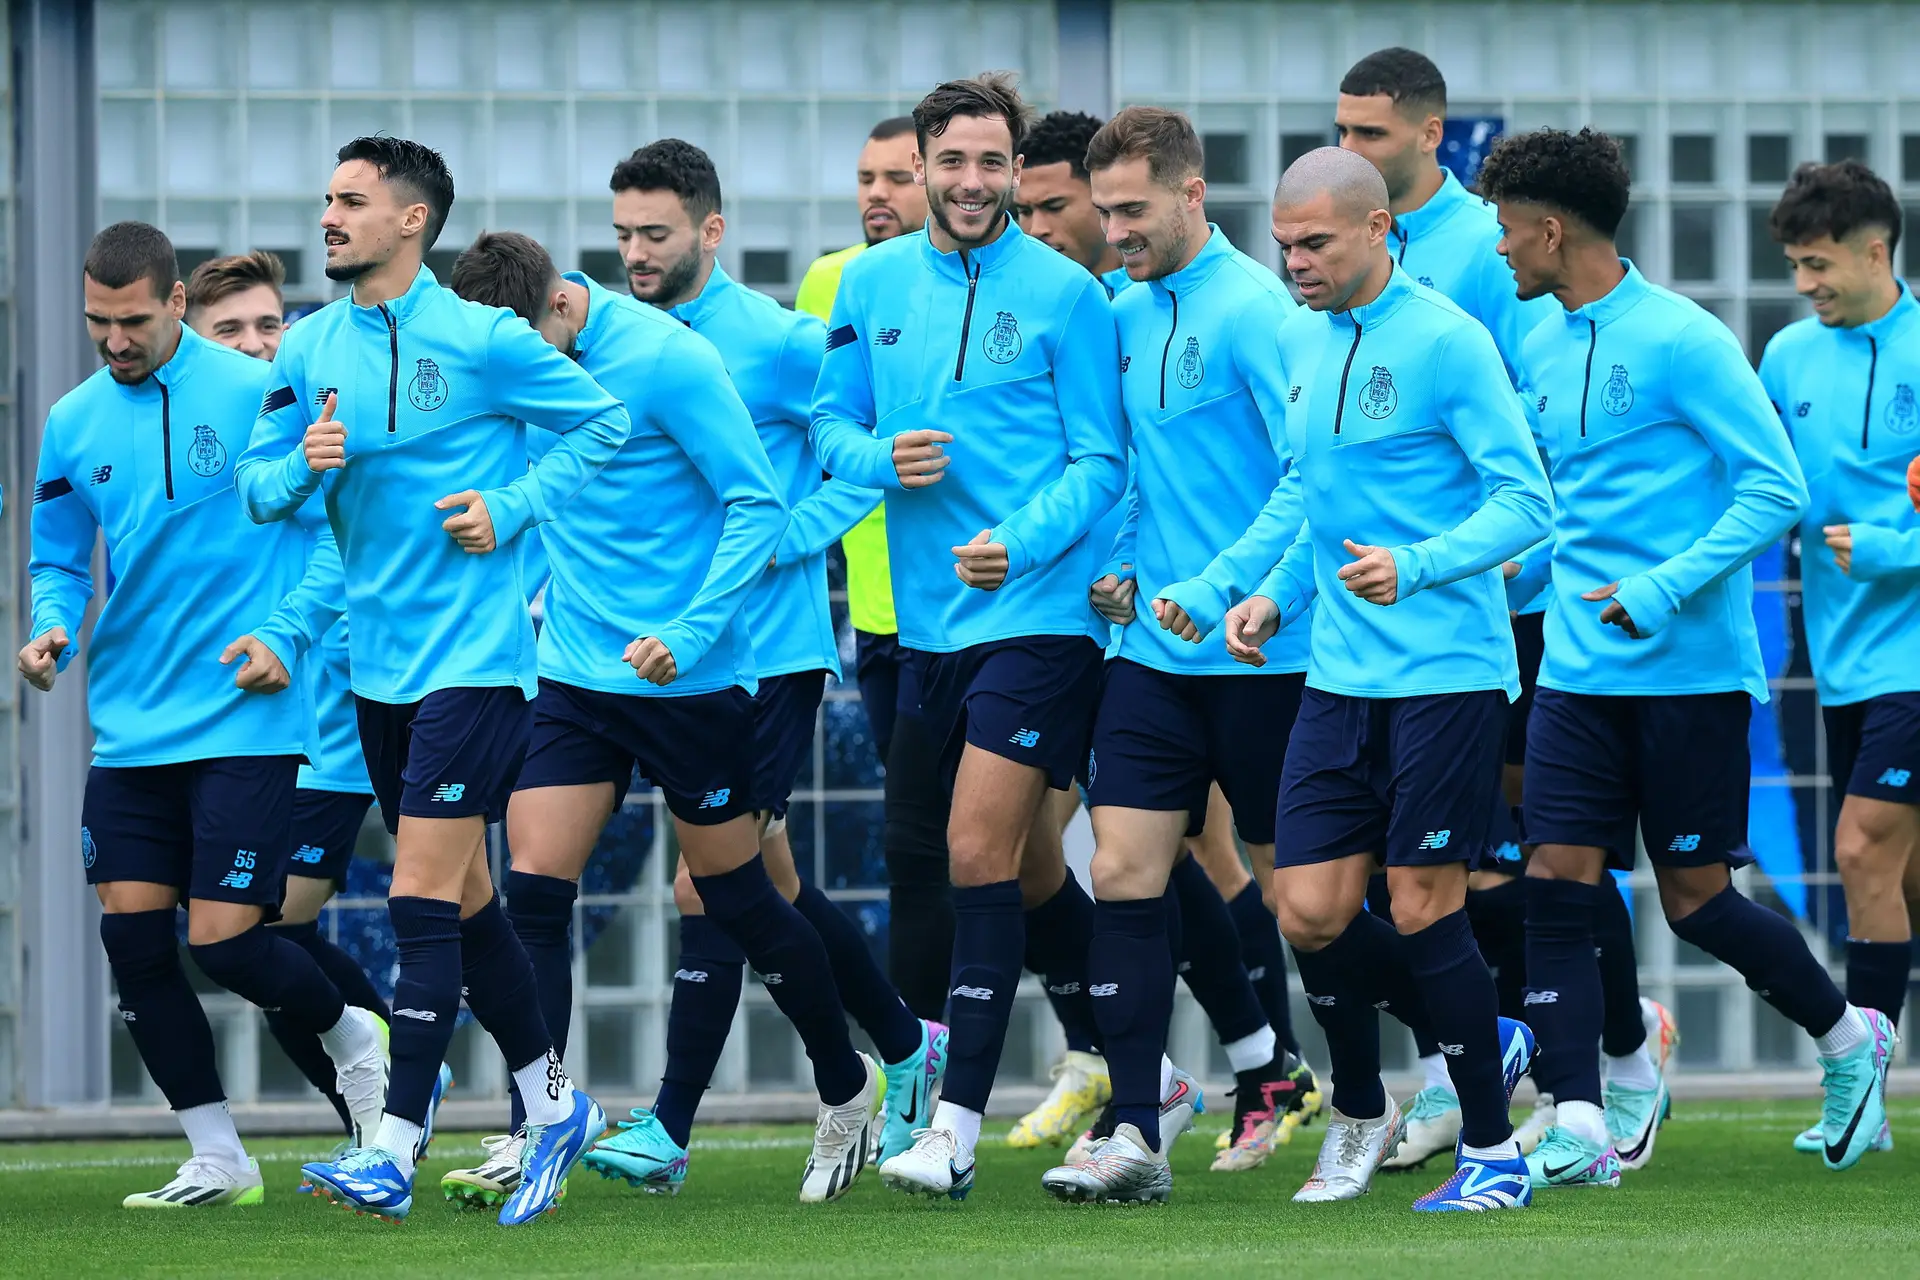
column 1012, row 361
column 1652, row 656
column 441, row 643
column 190, row 798
column 1855, row 363
column 1054, row 204
column 1408, row 435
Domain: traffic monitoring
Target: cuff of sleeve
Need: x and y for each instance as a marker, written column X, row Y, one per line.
column 793, row 545
column 1410, row 564
column 1120, row 567
column 510, row 510
column 1876, row 552
column 42, row 626
column 1645, row 603
column 686, row 649
column 1018, row 561
column 288, row 642
column 1205, row 604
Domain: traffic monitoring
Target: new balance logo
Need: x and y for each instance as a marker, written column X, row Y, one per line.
column 1684, row 844
column 690, row 975
column 1124, row 362
column 1453, row 1050
column 1436, row 839
column 237, row 880
column 772, row 979
column 1325, row 1002
column 716, row 799
column 1025, row 738
column 418, row 1015
column 974, row 993
column 1896, row 777
column 1064, row 989
column 1258, row 973
column 309, row 853
column 886, row 337
column 1104, row 989
column 320, row 395
column 101, row 475
column 126, row 1015
column 1293, row 393
column 450, row 791
column 1542, row 997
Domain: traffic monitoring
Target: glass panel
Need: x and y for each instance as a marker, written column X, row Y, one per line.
column 1910, row 242
column 610, row 957
column 1226, row 158
column 525, row 159
column 1849, row 146
column 284, row 150
column 1765, row 263
column 200, row 145
column 765, row 267
column 604, row 133
column 526, row 51
column 1768, row 157
column 610, row 1048
column 1693, row 242
column 124, row 46
column 856, row 850
column 603, row 39
column 604, row 266
column 127, row 148
column 1764, row 319
column 281, row 40
column 1910, row 157
column 1627, row 238
column 683, row 50
column 199, row 55
column 1295, row 145
column 772, row 1046
column 1698, row 1010
column 361, row 47
column 1692, row 159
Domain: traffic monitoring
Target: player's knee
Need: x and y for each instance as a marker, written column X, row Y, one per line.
column 212, row 922
column 125, row 897
column 232, row 961
column 303, row 898
column 1684, row 890
column 977, row 859
column 1867, row 848
column 685, row 897
column 1119, row 878
column 1311, row 926
column 141, row 947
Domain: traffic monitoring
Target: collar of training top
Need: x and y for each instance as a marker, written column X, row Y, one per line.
column 600, row 304
column 403, row 308
column 1441, row 205
column 1399, row 288
column 1215, row 251
column 179, row 364
column 985, row 258
column 1898, row 317
column 699, row 309
column 1616, row 302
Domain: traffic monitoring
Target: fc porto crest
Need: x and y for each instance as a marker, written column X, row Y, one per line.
column 1617, row 396
column 1190, row 369
column 1377, row 397
column 1903, row 415
column 428, row 390
column 206, row 455
column 1002, row 342
column 88, row 853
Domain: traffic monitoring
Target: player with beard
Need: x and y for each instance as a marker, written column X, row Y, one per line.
column 1008, row 373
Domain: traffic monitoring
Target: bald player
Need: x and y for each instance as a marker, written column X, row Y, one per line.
column 1420, row 480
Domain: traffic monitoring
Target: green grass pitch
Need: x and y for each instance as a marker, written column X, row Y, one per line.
column 1726, row 1196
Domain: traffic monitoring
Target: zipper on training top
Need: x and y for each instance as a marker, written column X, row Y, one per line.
column 1873, row 368
column 1402, row 259
column 1340, row 407
column 393, row 375
column 972, row 271
column 166, row 434
column 1175, row 298
column 1593, row 340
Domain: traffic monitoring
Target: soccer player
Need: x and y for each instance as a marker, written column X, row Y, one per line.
column 197, row 736
column 1202, row 382
column 1392, row 109
column 974, row 336
column 1054, row 203
column 1856, row 363
column 919, row 899
column 1652, row 658
column 404, row 406
column 1420, row 481
column 237, row 302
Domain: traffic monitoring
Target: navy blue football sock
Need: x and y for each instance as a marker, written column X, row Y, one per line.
column 1877, row 975
column 1464, row 1013
column 541, row 911
column 500, row 986
column 786, row 952
column 1764, row 948
column 989, row 938
column 303, row 1048
column 1499, row 919
column 1622, row 1031
column 864, row 990
column 1058, row 933
column 1210, row 956
column 1564, row 1001
column 348, row 978
column 1383, row 979
column 1265, row 960
column 157, row 1004
column 273, row 972
column 706, row 992
column 1131, row 969
column 919, row 891
column 426, row 1000
column 1334, row 977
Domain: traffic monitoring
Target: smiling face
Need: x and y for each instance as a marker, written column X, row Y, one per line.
column 891, row 202
column 1846, row 279
column 970, row 174
column 249, row 320
column 1152, row 225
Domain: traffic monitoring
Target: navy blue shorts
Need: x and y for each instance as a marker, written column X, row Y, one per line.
column 1530, row 646
column 1412, row 781
column 1674, row 767
column 1029, row 700
column 1161, row 739
column 453, row 754
column 1873, row 747
column 219, row 829
column 326, row 826
column 698, row 748
column 785, row 710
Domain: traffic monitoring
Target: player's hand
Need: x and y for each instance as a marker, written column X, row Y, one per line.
column 918, row 458
column 1510, row 570
column 40, row 658
column 1615, row 614
column 1173, row 618
column 982, row 562
column 261, row 672
column 1249, row 625
column 651, row 660
column 472, row 528
column 1113, row 598
column 1840, row 542
column 1913, row 483
column 1372, row 576
column 326, row 442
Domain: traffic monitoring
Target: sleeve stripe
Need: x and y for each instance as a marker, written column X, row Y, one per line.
column 278, row 398
column 48, row 490
column 840, row 337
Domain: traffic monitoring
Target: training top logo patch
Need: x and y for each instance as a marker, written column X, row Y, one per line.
column 1377, row 397
column 1903, row 415
column 1190, row 369
column 428, row 390
column 1617, row 396
column 1002, row 342
column 206, row 455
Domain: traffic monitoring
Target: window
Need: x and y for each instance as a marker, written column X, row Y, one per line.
column 1767, row 157
column 1226, row 158
column 1692, row 158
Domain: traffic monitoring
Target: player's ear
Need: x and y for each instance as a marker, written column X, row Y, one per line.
column 713, row 230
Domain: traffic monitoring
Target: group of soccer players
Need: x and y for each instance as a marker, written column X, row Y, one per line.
column 1124, row 522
